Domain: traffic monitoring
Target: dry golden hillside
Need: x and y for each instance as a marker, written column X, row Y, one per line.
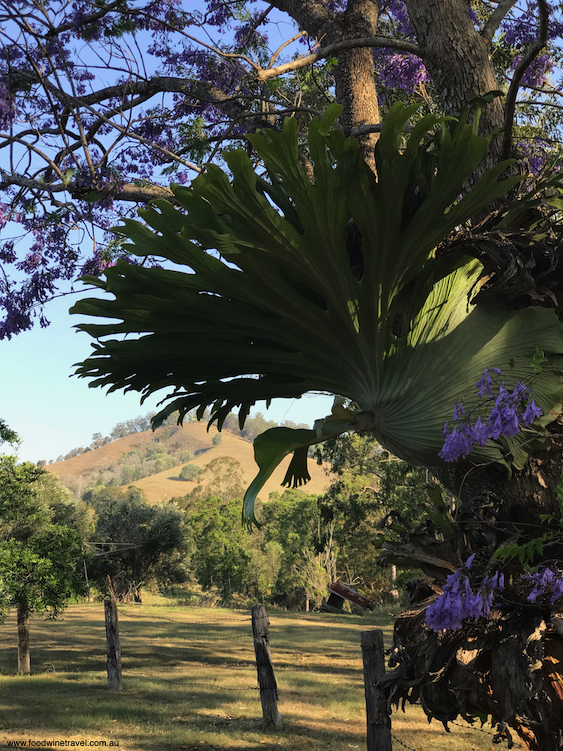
column 194, row 437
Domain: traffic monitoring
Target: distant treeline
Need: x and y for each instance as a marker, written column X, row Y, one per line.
column 252, row 427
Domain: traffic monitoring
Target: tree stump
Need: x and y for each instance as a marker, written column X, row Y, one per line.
column 266, row 678
column 378, row 720
column 113, row 647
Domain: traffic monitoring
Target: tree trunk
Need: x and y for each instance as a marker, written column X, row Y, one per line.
column 24, row 663
column 457, row 58
column 513, row 668
column 354, row 76
column 522, row 496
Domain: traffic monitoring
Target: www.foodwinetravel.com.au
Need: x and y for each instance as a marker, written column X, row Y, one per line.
column 55, row 743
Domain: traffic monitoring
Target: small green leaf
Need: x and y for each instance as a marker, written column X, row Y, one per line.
column 272, row 446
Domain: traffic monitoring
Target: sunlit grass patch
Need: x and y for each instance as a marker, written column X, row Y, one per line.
column 189, row 682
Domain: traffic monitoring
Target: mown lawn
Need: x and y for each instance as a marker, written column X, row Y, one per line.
column 190, row 683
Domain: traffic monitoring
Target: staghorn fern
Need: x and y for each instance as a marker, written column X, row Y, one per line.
column 277, row 302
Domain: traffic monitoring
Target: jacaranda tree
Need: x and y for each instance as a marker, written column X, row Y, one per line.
column 409, row 267
column 102, row 102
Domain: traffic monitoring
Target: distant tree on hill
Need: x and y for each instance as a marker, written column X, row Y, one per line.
column 97, row 440
column 190, row 472
column 222, row 478
column 42, row 538
column 217, row 438
column 138, row 544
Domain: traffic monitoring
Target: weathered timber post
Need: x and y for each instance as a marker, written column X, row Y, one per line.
column 24, row 663
column 113, row 648
column 378, row 720
column 266, row 678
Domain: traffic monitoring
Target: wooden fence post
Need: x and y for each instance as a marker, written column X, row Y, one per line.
column 378, row 720
column 113, row 648
column 266, row 678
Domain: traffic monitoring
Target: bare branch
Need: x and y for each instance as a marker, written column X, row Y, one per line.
column 495, row 19
column 284, row 45
column 334, row 49
column 9, row 139
column 541, row 104
column 211, row 48
column 527, row 59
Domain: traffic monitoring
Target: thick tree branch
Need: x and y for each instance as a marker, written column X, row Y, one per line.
column 496, row 18
column 162, row 85
column 527, row 59
column 129, row 192
column 333, row 49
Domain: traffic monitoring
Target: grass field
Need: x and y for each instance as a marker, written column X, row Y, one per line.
column 189, row 682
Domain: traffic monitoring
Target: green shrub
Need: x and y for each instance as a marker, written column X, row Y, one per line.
column 190, row 472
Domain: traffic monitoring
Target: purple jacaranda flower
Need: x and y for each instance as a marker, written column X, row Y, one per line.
column 485, row 383
column 510, row 412
column 546, row 580
column 480, row 433
column 530, row 413
column 456, row 445
column 459, row 411
column 469, row 561
column 458, row 601
column 511, row 425
column 495, row 424
column 521, row 391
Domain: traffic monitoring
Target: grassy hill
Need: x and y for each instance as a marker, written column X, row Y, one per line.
column 78, row 471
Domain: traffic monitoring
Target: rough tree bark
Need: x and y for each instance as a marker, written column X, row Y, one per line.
column 354, row 74
column 523, row 684
column 457, row 58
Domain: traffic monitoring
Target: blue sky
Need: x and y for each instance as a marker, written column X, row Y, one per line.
column 54, row 412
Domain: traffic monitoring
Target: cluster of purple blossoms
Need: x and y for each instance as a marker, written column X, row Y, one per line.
column 401, row 71
column 537, row 72
column 509, row 413
column 546, row 580
column 459, row 602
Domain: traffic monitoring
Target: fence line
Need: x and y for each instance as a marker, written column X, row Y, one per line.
column 235, row 623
